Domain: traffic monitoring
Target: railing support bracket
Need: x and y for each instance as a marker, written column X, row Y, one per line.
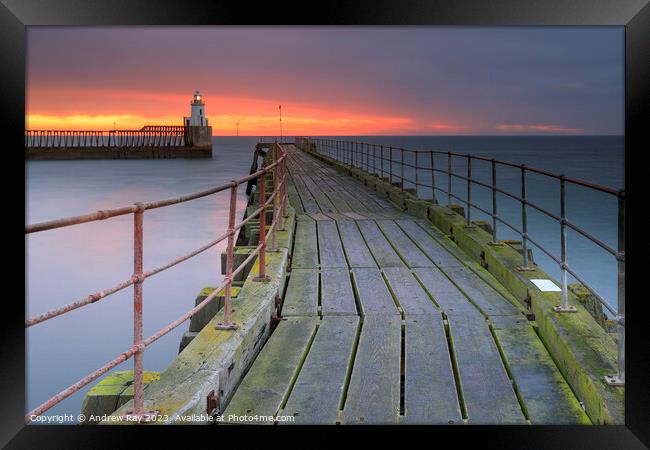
column 564, row 309
column 226, row 326
column 614, row 380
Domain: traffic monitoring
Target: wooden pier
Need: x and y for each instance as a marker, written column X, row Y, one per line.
column 376, row 307
column 385, row 320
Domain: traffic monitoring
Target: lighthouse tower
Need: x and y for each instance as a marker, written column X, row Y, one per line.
column 197, row 131
column 197, row 119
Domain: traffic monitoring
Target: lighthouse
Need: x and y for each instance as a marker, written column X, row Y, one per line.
column 197, row 118
column 197, row 131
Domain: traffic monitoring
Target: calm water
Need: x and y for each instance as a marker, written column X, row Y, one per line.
column 68, row 264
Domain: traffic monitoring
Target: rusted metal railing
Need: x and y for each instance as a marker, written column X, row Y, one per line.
column 278, row 196
column 354, row 153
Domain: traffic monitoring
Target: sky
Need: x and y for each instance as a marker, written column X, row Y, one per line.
column 330, row 80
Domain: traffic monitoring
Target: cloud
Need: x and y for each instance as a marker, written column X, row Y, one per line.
column 443, row 80
column 540, row 128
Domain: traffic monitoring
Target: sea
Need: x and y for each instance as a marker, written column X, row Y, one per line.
column 67, row 264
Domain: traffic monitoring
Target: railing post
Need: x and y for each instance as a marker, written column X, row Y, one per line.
column 433, row 179
column 469, row 192
column 524, row 220
column 227, row 308
column 359, row 148
column 360, row 155
column 401, row 176
column 619, row 378
column 276, row 201
column 416, row 173
column 381, row 147
column 367, row 157
column 349, row 154
column 390, row 167
column 285, row 196
column 374, row 159
column 138, row 395
column 494, row 204
column 138, row 412
column 564, row 307
column 449, row 178
column 261, row 271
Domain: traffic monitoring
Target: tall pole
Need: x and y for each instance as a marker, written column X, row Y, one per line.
column 280, row 108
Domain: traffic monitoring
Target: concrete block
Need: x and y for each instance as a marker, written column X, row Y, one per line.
column 110, row 393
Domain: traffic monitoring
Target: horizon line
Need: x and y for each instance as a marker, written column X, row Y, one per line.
column 428, row 135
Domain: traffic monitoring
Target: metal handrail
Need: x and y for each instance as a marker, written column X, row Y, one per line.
column 278, row 197
column 359, row 155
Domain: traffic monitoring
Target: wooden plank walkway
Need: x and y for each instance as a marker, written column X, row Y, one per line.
column 383, row 322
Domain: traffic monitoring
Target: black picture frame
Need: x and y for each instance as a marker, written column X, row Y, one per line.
column 16, row 15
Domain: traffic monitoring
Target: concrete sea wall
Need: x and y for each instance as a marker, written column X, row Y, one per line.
column 69, row 153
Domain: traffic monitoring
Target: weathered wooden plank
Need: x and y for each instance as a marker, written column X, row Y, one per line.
column 373, row 394
column 357, row 251
column 487, row 392
column 323, row 201
column 266, row 384
column 435, row 252
column 338, row 201
column 409, row 252
column 374, row 296
column 362, row 195
column 448, row 297
column 308, row 202
column 337, row 216
column 384, row 254
column 329, row 245
column 410, row 295
column 320, row 216
column 546, row 396
column 355, row 204
column 481, row 293
column 305, row 250
column 294, row 198
column 301, row 298
column 429, row 387
column 318, row 391
column 357, row 216
column 337, row 297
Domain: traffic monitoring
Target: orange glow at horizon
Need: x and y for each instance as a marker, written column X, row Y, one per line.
column 226, row 124
column 105, row 109
column 74, row 109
